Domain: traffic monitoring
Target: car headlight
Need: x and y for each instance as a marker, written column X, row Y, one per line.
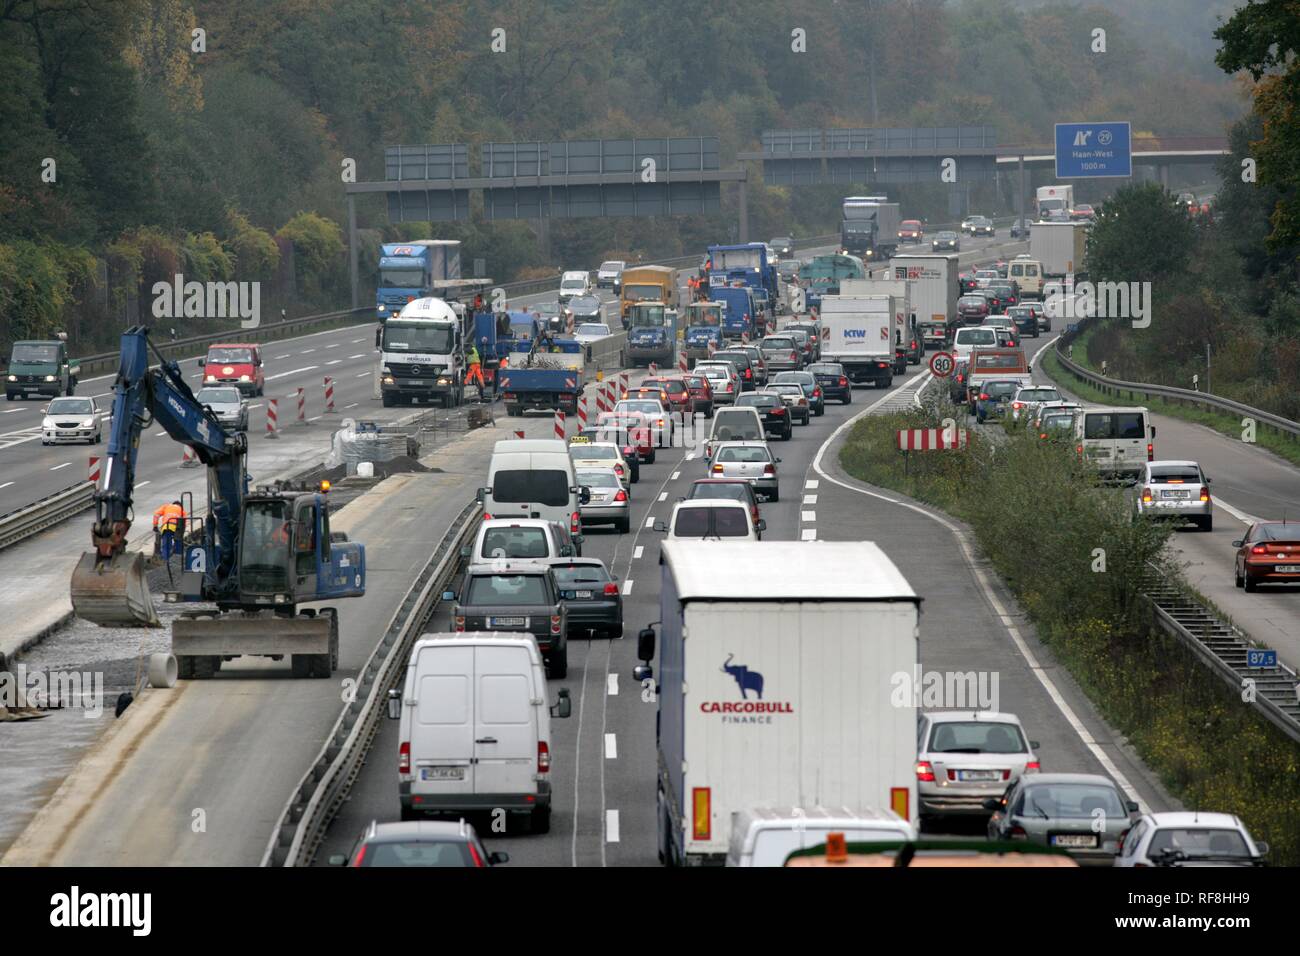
column 388, row 380
column 244, row 378
column 382, row 307
column 50, row 378
column 444, row 380
column 13, row 378
column 209, row 378
column 386, row 370
column 88, row 423
column 282, row 599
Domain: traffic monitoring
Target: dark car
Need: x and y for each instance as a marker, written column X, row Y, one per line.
column 957, row 382
column 679, row 396
column 812, row 391
column 1020, row 229
column 744, row 366
column 585, row 308
column 782, row 246
column 835, row 384
column 805, row 340
column 755, row 356
column 1025, row 319
column 439, row 843
column 734, row 489
column 1001, row 296
column 781, row 352
column 523, row 596
column 973, row 309
column 776, row 417
column 945, row 241
column 980, row 226
column 994, row 398
column 968, row 283
column 788, row 270
column 701, row 392
column 814, row 331
column 631, row 430
column 591, row 596
column 1268, row 554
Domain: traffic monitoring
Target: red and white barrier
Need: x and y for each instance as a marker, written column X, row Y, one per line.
column 623, row 382
column 519, row 434
column 560, row 427
column 302, row 407
column 272, row 418
column 188, row 458
column 682, row 364
column 654, row 368
column 931, row 439
column 582, row 412
column 329, row 395
column 611, row 397
column 92, row 473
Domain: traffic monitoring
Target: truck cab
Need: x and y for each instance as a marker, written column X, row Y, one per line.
column 738, row 310
column 407, row 271
column 41, row 368
column 703, row 323
column 651, row 332
column 422, row 354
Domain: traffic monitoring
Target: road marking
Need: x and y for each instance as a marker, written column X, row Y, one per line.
column 1239, row 515
column 159, row 434
column 365, row 374
column 64, row 465
column 649, row 521
column 690, row 457
column 807, row 516
column 353, row 405
column 8, row 483
column 272, row 378
column 663, row 496
column 808, row 534
column 12, row 410
column 278, row 357
column 334, row 346
column 358, row 355
column 811, row 483
column 611, row 826
column 141, row 484
column 258, row 405
column 334, row 362
column 611, row 747
column 627, row 587
column 306, row 351
column 611, row 680
column 636, row 554
column 810, row 499
column 675, row 476
column 356, row 340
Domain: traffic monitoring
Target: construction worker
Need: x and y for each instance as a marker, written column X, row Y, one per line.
column 169, row 521
column 475, row 373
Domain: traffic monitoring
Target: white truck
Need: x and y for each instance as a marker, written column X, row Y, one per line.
column 1054, row 202
column 935, row 288
column 858, row 332
column 422, row 353
column 781, row 666
column 1059, row 247
column 906, row 330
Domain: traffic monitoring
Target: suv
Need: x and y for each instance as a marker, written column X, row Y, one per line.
column 813, row 329
column 679, row 396
column 1025, row 319
column 756, row 356
column 521, row 596
column 972, row 309
column 701, row 393
column 834, row 383
column 610, row 274
column 776, row 417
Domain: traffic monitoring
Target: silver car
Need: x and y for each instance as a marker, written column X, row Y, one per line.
column 1027, row 400
column 722, row 379
column 609, row 499
column 1180, row 839
column 792, row 394
column 1176, row 491
column 965, row 757
column 1084, row 814
column 72, row 419
column 751, row 460
column 227, row 404
column 780, row 352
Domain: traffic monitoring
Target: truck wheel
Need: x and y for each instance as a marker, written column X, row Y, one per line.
column 540, row 822
column 205, row 666
column 388, row 400
column 318, row 665
column 408, row 815
column 624, row 525
column 333, row 616
column 185, row 665
column 72, row 387
column 889, row 381
column 848, row 396
column 300, row 665
column 558, row 669
column 512, row 411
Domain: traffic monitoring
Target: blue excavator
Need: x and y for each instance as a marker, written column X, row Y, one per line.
column 256, row 556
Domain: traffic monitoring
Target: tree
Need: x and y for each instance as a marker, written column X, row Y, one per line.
column 1140, row 235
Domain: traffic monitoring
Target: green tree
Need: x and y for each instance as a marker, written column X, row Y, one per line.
column 1140, row 235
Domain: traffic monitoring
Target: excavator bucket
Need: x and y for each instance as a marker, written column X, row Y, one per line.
column 113, row 593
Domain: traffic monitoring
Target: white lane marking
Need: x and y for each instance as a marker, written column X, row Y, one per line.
column 358, row 355
column 627, row 587
column 356, row 340
column 365, row 374
column 13, row 410
column 353, row 405
column 160, row 434
column 334, row 346
column 141, row 484
column 810, row 499
column 306, row 351
column 1239, row 515
column 64, row 465
column 636, row 553
column 690, row 457
column 611, row 680
column 811, row 483
column 611, row 826
column 663, row 496
column 278, row 357
column 258, row 405
column 986, row 586
column 577, row 764
column 272, row 378
column 611, row 747
column 675, row 476
column 808, row 534
column 649, row 521
column 807, row 516
column 5, row 485
column 334, row 362
column 313, row 418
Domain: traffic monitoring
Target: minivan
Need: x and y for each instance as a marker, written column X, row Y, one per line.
column 1027, row 274
column 712, row 519
column 474, row 727
column 1115, row 441
column 522, row 539
column 766, row 836
column 533, row 478
column 741, row 423
column 973, row 337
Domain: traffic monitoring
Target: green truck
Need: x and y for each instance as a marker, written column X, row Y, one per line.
column 41, row 368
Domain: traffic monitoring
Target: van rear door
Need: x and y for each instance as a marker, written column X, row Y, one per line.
column 505, row 724
column 442, row 727
column 1131, row 439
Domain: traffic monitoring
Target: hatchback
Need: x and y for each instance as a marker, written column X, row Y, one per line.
column 1082, row 813
column 964, row 757
column 420, row 843
column 808, row 382
column 750, row 460
column 591, row 597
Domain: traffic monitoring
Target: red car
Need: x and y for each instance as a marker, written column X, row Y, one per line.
column 678, row 395
column 1269, row 554
column 910, row 230
column 629, row 429
column 238, row 364
column 701, row 393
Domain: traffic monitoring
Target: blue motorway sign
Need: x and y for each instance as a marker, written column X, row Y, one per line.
column 1085, row 150
column 1261, row 658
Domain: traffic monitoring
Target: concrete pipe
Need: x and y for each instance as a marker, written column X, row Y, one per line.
column 162, row 670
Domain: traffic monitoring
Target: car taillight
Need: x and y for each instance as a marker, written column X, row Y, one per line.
column 1017, row 833
column 486, row 516
column 555, row 624
column 404, row 757
column 1033, row 766
column 845, row 381
column 702, row 819
column 621, row 495
column 717, row 469
column 361, row 855
column 817, row 390
column 924, row 772
column 1205, row 494
column 618, row 470
column 749, row 373
column 794, row 355
column 769, row 469
column 1146, row 496
column 460, row 624
column 1151, row 452
column 1017, row 405
column 1259, row 549
column 984, row 397
column 473, row 853
column 611, row 589
column 778, row 411
column 575, row 522
column 543, row 757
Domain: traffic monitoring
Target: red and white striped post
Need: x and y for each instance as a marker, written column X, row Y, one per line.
column 272, row 418
column 622, row 382
column 683, row 365
column 611, row 397
column 302, row 407
column 601, row 405
column 92, row 473
column 329, row 395
column 519, row 434
column 560, row 427
column 188, row 458
column 582, row 412
column 654, row 368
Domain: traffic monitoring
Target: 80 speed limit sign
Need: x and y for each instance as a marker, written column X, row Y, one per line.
column 942, row 364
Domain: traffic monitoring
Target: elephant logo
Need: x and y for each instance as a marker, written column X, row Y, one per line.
column 747, row 680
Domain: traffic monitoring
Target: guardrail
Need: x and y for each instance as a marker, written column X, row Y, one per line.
column 1182, row 396
column 325, row 786
column 45, row 513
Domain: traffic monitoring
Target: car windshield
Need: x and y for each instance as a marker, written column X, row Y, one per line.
column 71, row 406
column 977, row 301
column 983, row 362
column 584, row 303
column 742, row 454
column 976, row 337
column 433, row 339
column 691, row 522
column 976, row 737
column 35, row 354
column 218, row 396
column 1061, row 422
column 1039, row 395
column 785, row 389
column 612, row 266
column 1195, row 841
column 532, row 486
column 1163, row 474
column 645, row 407
column 598, row 479
column 527, row 542
column 592, row 329
column 1073, row 801
column 777, row 345
column 726, row 490
column 759, row 401
column 694, row 381
column 418, row 853
column 568, row 575
column 589, row 452
column 1000, row 389
column 508, row 589
column 825, row 369
column 635, row 293
column 1276, row 531
column 230, row 356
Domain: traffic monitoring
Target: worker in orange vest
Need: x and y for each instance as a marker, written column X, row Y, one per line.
column 169, row 522
column 475, row 373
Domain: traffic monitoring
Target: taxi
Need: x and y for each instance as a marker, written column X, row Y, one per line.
column 588, row 455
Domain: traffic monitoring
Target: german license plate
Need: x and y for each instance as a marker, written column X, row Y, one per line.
column 442, row 773
column 1178, row 494
column 505, row 622
column 416, row 381
column 584, row 594
column 1287, row 569
column 1074, row 839
column 973, row 775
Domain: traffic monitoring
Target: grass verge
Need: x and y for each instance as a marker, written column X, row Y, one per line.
column 1075, row 562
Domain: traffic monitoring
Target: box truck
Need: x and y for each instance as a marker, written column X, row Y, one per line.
column 935, row 288
column 1053, row 203
column 858, row 332
column 1059, row 247
column 907, row 335
column 870, row 227
column 780, row 671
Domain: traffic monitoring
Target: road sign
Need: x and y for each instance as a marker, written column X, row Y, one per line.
column 932, row 439
column 1088, row 150
column 942, row 364
column 1261, row 658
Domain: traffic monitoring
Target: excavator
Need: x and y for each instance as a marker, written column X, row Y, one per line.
column 257, row 555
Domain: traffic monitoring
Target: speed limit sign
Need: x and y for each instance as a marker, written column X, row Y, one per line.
column 941, row 364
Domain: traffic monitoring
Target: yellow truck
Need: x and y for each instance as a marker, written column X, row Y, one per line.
column 648, row 284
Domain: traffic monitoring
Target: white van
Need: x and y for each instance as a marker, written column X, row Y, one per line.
column 712, row 519
column 766, row 836
column 973, row 337
column 1027, row 274
column 475, row 729
column 1115, row 440
column 573, row 284
column 734, row 424
column 533, row 478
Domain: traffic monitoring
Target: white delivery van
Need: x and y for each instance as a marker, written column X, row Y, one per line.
column 971, row 337
column 474, row 727
column 780, row 668
column 532, row 478
column 765, row 836
column 1027, row 274
column 573, row 284
column 1117, row 441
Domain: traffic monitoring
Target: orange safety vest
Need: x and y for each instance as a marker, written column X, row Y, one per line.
column 171, row 516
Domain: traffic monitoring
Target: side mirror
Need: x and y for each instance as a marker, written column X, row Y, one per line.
column 1208, row 480
column 200, row 364
column 1261, row 847
column 482, row 494
column 1131, row 806
column 578, row 539
column 563, row 706
column 1029, row 367
column 642, row 673
column 584, row 495
column 449, row 595
column 499, row 857
column 1153, row 431
column 1034, row 745
column 777, row 460
column 566, row 550
column 645, row 644
column 394, row 704
column 45, row 410
column 1238, row 543
column 991, row 803
column 659, row 525
column 761, row 526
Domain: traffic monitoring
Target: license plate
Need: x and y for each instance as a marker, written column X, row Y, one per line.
column 972, row 775
column 1178, row 494
column 442, row 773
column 1074, row 839
column 416, row 381
column 505, row 622
column 1287, row 569
column 584, row 594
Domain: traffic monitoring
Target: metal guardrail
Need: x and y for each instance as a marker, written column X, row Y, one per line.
column 1180, row 395
column 45, row 513
column 1223, row 649
column 323, row 789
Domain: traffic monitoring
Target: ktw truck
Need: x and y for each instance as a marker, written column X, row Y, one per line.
column 823, row 275
column 870, row 227
column 652, row 334
column 907, row 343
column 858, row 332
column 41, row 368
column 934, row 291
column 422, row 353
column 1054, row 202
column 746, row 263
column 786, row 679
column 1058, row 247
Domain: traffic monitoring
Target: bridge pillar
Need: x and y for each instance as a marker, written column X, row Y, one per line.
column 353, row 251
column 742, row 200
column 1020, row 189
